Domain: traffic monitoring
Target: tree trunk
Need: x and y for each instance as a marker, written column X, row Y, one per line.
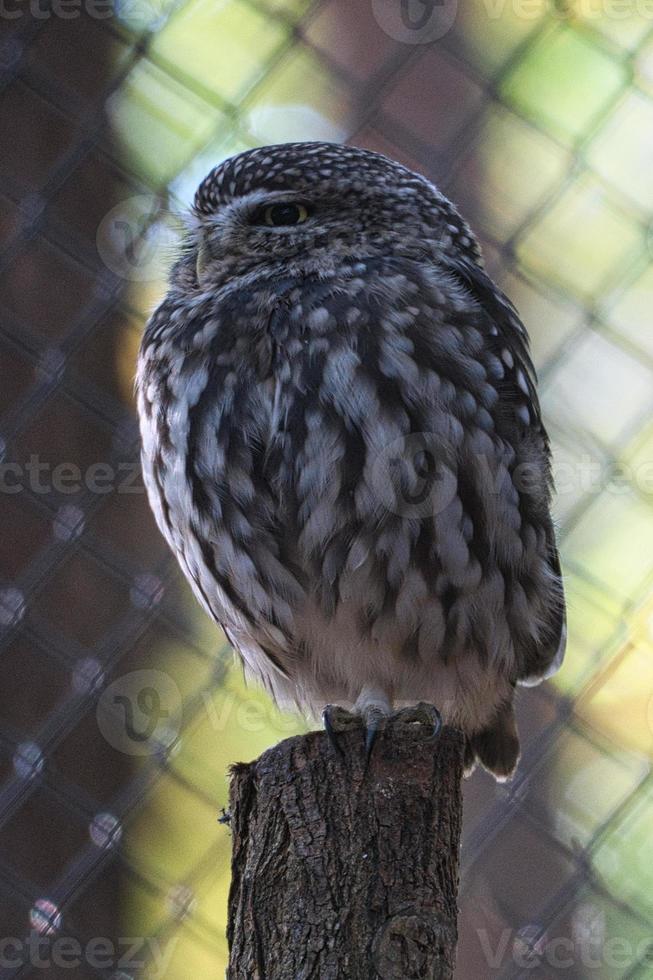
column 342, row 872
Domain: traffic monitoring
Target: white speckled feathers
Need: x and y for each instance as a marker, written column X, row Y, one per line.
column 342, row 442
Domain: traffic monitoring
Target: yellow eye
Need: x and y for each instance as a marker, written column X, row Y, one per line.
column 277, row 215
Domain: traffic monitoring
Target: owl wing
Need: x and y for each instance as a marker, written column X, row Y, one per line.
column 520, row 423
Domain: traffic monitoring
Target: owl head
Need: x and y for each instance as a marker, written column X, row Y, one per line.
column 314, row 205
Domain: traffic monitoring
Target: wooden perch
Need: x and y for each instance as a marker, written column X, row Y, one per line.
column 343, row 873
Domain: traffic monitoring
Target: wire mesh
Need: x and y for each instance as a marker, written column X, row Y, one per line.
column 119, row 706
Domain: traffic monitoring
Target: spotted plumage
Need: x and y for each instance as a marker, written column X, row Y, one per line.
column 342, row 443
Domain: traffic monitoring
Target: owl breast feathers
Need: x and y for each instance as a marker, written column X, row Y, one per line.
column 342, row 444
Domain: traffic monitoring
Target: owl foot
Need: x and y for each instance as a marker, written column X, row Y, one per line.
column 423, row 714
column 371, row 716
column 336, row 720
column 374, row 716
column 374, row 721
column 373, row 707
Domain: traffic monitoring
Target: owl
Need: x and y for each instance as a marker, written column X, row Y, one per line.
column 342, row 445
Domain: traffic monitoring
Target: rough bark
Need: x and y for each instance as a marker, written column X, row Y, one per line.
column 342, row 871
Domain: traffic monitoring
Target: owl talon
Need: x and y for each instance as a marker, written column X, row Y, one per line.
column 337, row 720
column 329, row 728
column 372, row 728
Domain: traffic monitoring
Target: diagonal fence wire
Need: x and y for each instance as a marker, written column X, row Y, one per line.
column 83, row 607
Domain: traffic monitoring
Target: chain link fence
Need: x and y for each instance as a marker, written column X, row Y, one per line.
column 120, row 708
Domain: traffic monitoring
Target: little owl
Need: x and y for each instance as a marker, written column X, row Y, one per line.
column 342, row 444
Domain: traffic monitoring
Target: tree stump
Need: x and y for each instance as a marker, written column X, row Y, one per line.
column 342, row 870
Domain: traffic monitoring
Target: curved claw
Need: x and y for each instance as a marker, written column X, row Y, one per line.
column 437, row 725
column 329, row 728
column 336, row 720
column 372, row 729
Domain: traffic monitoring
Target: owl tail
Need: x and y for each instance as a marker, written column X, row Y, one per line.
column 495, row 747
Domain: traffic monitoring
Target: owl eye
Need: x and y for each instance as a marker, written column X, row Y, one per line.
column 277, row 215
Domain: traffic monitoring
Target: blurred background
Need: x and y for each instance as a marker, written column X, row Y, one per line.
column 120, row 707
